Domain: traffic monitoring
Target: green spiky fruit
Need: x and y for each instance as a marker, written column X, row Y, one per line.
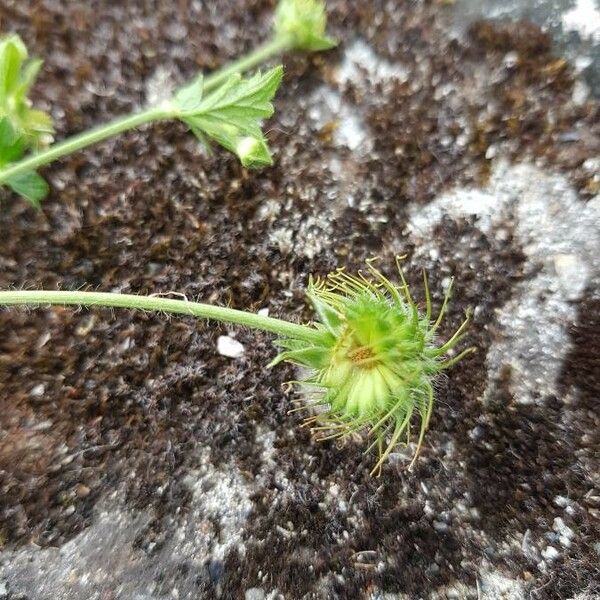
column 375, row 362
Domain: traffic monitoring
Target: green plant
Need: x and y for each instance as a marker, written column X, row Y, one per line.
column 22, row 128
column 222, row 107
column 371, row 355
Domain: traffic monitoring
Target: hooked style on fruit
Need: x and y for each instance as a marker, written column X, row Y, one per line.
column 375, row 361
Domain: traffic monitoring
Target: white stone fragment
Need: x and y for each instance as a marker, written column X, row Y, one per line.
column 581, row 92
column 550, row 553
column 38, row 390
column 230, row 347
column 566, row 534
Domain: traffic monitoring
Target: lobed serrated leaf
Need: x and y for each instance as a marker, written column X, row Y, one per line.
column 232, row 115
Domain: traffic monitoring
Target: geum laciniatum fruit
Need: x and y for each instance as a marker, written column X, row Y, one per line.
column 374, row 364
column 369, row 360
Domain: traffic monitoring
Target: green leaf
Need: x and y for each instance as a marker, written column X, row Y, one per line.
column 30, row 185
column 304, row 22
column 189, row 97
column 12, row 55
column 28, row 74
column 232, row 115
column 12, row 146
column 241, row 101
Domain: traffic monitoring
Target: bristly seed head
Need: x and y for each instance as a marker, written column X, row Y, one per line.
column 375, row 360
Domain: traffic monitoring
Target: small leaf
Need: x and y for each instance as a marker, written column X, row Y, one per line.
column 28, row 74
column 189, row 97
column 11, row 145
column 30, row 185
column 231, row 115
column 12, row 55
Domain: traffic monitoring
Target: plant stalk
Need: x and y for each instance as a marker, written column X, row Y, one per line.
column 274, row 46
column 161, row 304
column 82, row 140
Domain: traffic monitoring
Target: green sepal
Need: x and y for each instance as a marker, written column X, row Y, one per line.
column 314, row 357
column 328, row 316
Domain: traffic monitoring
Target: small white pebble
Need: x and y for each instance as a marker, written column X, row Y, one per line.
column 561, row 501
column 263, row 312
column 566, row 534
column 227, row 346
column 572, row 274
column 511, row 59
column 38, row 390
column 550, row 553
column 491, row 152
column 581, row 93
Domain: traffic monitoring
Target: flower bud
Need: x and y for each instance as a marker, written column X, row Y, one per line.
column 253, row 152
column 305, row 22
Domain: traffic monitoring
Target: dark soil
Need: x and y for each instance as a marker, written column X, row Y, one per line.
column 103, row 401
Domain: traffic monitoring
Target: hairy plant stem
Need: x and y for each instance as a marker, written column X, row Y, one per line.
column 83, row 140
column 164, row 111
column 276, row 45
column 161, row 304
